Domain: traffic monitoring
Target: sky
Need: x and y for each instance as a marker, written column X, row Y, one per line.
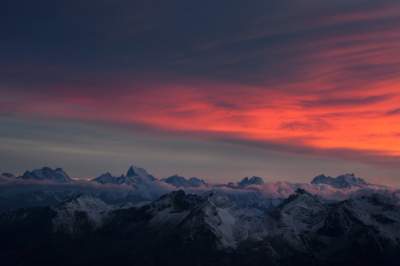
column 217, row 89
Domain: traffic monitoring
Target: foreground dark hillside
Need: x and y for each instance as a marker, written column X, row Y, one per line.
column 187, row 229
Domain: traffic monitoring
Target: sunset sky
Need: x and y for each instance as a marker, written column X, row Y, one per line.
column 216, row 89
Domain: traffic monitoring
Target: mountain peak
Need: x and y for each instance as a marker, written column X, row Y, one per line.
column 248, row 181
column 47, row 173
column 135, row 171
column 180, row 181
column 300, row 194
column 342, row 181
column 178, row 200
column 80, row 209
column 135, row 176
column 108, row 178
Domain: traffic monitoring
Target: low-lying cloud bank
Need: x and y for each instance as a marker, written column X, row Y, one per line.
column 47, row 186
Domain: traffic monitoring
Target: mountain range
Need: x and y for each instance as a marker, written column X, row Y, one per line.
column 48, row 218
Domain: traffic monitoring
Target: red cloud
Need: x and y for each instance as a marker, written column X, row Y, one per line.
column 245, row 114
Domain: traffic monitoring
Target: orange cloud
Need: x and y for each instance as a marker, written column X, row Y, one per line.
column 356, row 122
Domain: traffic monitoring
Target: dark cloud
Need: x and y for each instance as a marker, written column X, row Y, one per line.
column 394, row 112
column 265, row 42
column 353, row 101
column 316, row 124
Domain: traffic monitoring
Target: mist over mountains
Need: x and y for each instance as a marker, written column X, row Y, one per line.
column 49, row 218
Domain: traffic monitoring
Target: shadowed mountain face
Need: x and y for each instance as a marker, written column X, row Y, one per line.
column 212, row 229
column 134, row 177
column 248, row 181
column 182, row 182
column 47, row 174
column 342, row 181
column 48, row 218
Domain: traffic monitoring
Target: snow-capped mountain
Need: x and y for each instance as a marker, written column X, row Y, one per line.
column 78, row 212
column 135, row 176
column 341, row 181
column 47, row 174
column 147, row 221
column 139, row 173
column 301, row 212
column 137, row 179
column 108, row 178
column 183, row 182
column 46, row 186
column 250, row 181
column 212, row 229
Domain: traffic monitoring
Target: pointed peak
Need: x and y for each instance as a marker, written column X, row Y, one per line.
column 135, row 171
column 139, row 173
column 131, row 171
